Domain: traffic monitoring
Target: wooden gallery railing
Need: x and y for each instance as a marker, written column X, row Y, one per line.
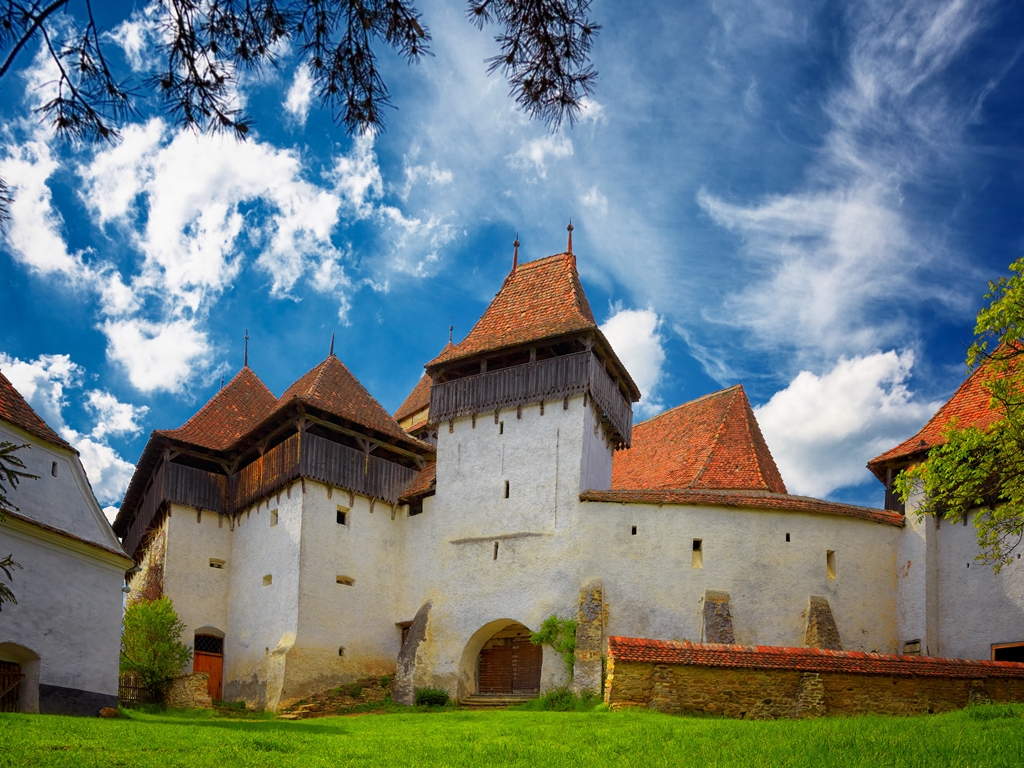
column 550, row 379
column 312, row 457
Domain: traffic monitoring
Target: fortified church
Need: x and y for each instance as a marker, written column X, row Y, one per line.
column 313, row 539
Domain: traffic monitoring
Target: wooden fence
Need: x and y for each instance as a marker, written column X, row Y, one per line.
column 550, row 379
column 132, row 692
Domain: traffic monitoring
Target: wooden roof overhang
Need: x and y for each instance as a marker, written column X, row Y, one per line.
column 468, row 365
column 291, row 417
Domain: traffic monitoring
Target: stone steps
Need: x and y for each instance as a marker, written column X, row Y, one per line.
column 494, row 701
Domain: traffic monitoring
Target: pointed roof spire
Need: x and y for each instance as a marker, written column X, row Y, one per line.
column 515, row 253
column 332, row 345
column 569, row 228
column 451, row 328
column 245, row 363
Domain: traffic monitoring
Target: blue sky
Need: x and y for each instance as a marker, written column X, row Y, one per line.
column 808, row 198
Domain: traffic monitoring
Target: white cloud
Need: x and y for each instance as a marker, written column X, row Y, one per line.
column 136, row 36
column 157, row 355
column 297, row 101
column 535, row 154
column 595, row 200
column 822, row 430
column 112, row 416
column 591, row 111
column 634, row 335
column 44, row 383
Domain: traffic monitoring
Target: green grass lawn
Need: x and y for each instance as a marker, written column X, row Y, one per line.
column 988, row 736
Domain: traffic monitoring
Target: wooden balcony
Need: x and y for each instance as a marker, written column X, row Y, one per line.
column 551, row 379
column 300, row 456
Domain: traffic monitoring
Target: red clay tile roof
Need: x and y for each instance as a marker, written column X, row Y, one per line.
column 538, row 300
column 417, row 400
column 804, row 659
column 15, row 410
column 744, row 500
column 712, row 442
column 331, row 387
column 969, row 407
column 238, row 407
column 423, row 484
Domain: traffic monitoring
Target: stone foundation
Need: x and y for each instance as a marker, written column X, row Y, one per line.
column 189, row 692
column 766, row 682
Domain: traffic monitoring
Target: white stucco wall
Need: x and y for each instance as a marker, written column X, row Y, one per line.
column 199, row 592
column 68, row 612
column 263, row 620
column 976, row 606
column 65, row 501
column 358, row 617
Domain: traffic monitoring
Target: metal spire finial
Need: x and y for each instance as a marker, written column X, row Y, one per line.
column 515, row 253
column 222, row 382
column 332, row 345
column 569, row 228
column 246, row 358
column 451, row 328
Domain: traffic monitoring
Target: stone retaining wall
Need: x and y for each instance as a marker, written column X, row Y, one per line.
column 189, row 692
column 766, row 682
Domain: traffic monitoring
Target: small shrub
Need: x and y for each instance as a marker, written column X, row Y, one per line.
column 560, row 634
column 385, row 681
column 355, row 691
column 151, row 644
column 563, row 700
column 431, row 697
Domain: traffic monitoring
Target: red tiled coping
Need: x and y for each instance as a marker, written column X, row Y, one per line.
column 744, row 499
column 804, row 659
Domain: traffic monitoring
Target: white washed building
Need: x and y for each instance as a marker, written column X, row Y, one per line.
column 60, row 643
column 314, row 539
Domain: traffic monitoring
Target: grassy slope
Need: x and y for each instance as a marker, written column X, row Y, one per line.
column 538, row 739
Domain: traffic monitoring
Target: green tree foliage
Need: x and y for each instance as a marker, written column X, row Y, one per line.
column 151, row 645
column 11, row 473
column 560, row 634
column 982, row 470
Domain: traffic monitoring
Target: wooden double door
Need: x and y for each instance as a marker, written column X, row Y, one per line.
column 509, row 663
column 10, row 686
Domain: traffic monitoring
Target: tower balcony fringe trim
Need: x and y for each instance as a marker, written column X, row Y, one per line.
column 580, row 373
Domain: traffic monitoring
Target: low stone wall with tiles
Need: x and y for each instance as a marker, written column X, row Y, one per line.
column 765, row 682
column 189, row 692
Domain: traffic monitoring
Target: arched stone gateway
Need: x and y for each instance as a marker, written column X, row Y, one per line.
column 499, row 659
column 19, row 678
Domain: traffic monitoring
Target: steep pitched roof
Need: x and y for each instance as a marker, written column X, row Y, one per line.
column 238, row 407
column 712, row 442
column 15, row 410
column 331, row 387
column 417, row 400
column 969, row 407
column 539, row 300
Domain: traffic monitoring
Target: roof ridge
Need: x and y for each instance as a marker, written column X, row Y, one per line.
column 675, row 408
column 222, row 392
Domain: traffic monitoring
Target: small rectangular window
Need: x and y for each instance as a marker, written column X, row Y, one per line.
column 830, row 564
column 342, row 516
column 1008, row 652
column 415, row 507
column 633, row 532
column 53, row 469
column 506, row 489
column 268, row 580
column 273, row 518
column 787, row 538
column 912, row 648
column 495, row 551
column 501, row 427
column 215, row 563
column 348, row 581
column 697, row 559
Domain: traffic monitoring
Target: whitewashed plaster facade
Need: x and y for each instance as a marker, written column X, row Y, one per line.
column 65, row 631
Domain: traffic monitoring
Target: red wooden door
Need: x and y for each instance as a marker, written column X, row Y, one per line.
column 213, row 665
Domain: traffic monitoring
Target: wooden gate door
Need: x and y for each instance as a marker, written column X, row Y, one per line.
column 10, row 686
column 510, row 663
column 208, row 657
column 526, row 663
column 496, row 667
